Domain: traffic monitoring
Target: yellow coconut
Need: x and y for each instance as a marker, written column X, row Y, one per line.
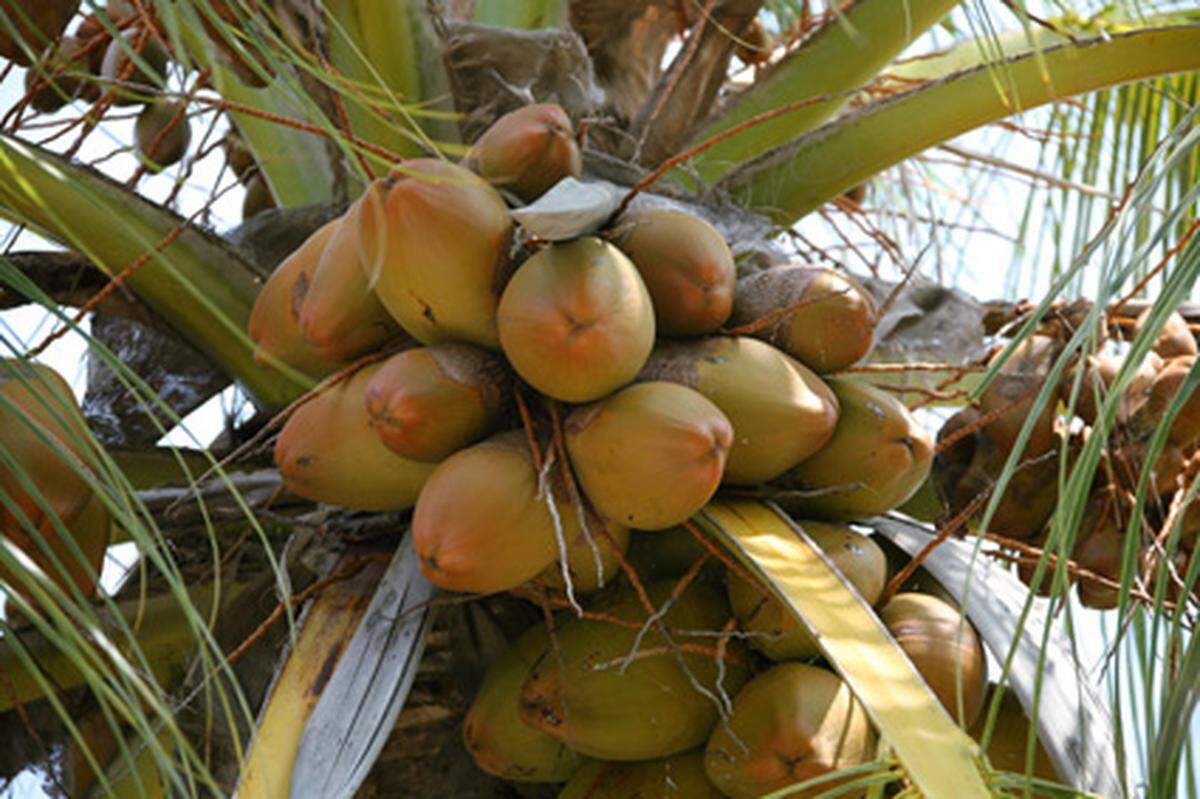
column 527, row 151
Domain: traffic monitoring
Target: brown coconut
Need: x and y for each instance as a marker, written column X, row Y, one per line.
column 877, row 458
column 527, row 151
column 651, row 455
column 1100, row 372
column 1010, row 397
column 945, row 649
column 60, row 76
column 134, row 81
column 1099, row 549
column 576, row 322
column 776, row 632
column 341, row 317
column 825, row 319
column 686, row 265
column 275, row 319
column 790, row 724
column 328, row 452
column 36, row 24
column 434, row 239
column 1159, row 398
column 162, row 134
column 429, row 402
column 1174, row 340
column 781, row 412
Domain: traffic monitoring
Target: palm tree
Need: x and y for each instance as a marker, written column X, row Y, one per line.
column 879, row 137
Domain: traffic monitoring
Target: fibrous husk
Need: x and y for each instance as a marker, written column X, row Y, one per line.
column 36, row 24
column 686, row 265
column 60, row 76
column 500, row 743
column 677, row 777
column 1013, row 392
column 429, row 402
column 162, row 133
column 790, row 724
column 341, row 317
column 275, row 319
column 527, row 151
column 580, row 694
column 877, row 458
column 593, row 559
column 131, row 81
column 328, row 452
column 1174, row 340
column 945, row 649
column 623, row 447
column 575, row 321
column 434, row 239
column 777, row 633
column 1009, row 743
column 43, row 433
column 488, row 521
column 781, row 412
column 832, row 325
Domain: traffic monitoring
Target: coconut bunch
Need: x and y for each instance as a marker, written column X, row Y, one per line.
column 975, row 444
column 50, row 512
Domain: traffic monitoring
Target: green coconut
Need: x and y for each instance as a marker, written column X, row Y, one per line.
column 328, row 452
column 434, row 239
column 781, row 412
column 824, row 318
column 677, row 777
column 429, row 402
column 775, row 631
column 790, row 724
column 664, row 703
column 500, row 743
column 660, row 554
column 877, row 458
column 576, row 322
column 527, row 151
column 623, row 447
column 162, row 133
column 686, row 265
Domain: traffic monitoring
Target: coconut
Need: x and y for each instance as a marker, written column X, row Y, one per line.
column 1100, row 549
column 677, row 777
column 944, row 648
column 1027, row 568
column 575, row 321
column 790, row 724
column 825, row 319
column 527, row 151
column 493, row 732
column 659, row 554
column 624, row 446
column 754, row 45
column 1100, row 372
column 258, row 197
column 60, row 76
column 238, row 156
column 1174, row 340
column 275, row 319
column 593, row 560
column 37, row 24
column 781, row 412
column 429, row 402
column 434, row 241
column 162, row 134
column 134, row 81
column 1009, row 743
column 340, row 316
column 1159, row 398
column 48, row 498
column 877, row 458
column 1011, row 395
column 686, row 265
column 776, row 632
column 580, row 694
column 328, row 452
column 487, row 521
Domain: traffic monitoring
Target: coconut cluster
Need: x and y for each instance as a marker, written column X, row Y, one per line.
column 978, row 442
column 555, row 412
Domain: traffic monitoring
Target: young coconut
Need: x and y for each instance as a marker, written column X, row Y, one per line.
column 593, row 560
column 790, row 724
column 162, row 134
column 1009, row 743
column 429, row 402
column 328, row 452
column 488, row 521
column 877, row 458
column 781, row 412
column 677, row 777
column 581, row 695
column 493, row 732
column 660, row 554
column 434, row 241
column 275, row 319
column 134, row 80
column 576, row 321
column 623, row 447
column 945, row 649
column 32, row 25
column 776, row 633
column 824, row 318
column 340, row 316
column 686, row 265
column 527, row 151
column 47, row 495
